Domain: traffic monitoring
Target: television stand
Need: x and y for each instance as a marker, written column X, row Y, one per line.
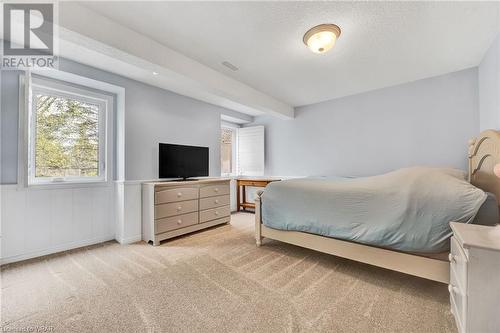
column 175, row 208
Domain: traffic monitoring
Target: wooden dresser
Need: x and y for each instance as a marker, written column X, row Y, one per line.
column 475, row 277
column 174, row 208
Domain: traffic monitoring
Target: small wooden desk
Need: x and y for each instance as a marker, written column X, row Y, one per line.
column 242, row 183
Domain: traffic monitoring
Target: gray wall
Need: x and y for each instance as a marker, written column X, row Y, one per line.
column 489, row 88
column 9, row 113
column 152, row 115
column 427, row 122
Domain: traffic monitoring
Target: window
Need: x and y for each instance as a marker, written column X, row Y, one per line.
column 242, row 151
column 227, row 150
column 67, row 134
column 251, row 151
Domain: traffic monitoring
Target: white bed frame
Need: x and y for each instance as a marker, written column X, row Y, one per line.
column 484, row 154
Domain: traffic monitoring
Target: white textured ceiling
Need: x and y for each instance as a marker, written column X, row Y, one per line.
column 382, row 43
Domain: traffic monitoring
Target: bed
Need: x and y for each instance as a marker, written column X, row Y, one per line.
column 421, row 254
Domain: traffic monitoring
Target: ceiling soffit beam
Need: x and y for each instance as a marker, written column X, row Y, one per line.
column 83, row 32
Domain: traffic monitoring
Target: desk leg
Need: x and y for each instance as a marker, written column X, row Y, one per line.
column 258, row 222
column 243, row 188
column 237, row 197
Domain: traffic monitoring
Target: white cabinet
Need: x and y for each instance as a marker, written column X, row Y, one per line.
column 475, row 277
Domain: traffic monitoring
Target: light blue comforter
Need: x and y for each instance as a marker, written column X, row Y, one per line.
column 408, row 209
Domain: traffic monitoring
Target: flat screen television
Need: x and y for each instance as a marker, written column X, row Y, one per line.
column 178, row 161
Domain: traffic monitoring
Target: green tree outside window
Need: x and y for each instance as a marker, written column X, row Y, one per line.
column 67, row 137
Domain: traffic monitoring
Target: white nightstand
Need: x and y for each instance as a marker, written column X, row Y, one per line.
column 475, row 277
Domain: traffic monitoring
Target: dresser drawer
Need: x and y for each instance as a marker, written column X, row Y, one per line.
column 215, row 213
column 176, row 194
column 175, row 208
column 213, row 202
column 458, row 264
column 214, row 190
column 175, row 222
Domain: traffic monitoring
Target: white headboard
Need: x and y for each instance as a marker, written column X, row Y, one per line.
column 484, row 154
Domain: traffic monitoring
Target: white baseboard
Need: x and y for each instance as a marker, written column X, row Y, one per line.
column 129, row 240
column 55, row 249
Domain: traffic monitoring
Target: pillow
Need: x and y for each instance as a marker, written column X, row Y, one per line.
column 457, row 173
column 489, row 213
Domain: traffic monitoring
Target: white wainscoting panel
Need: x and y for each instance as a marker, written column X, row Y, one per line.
column 40, row 221
column 128, row 203
column 232, row 194
column 132, row 212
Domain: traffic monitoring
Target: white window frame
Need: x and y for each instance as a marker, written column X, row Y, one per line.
column 234, row 149
column 39, row 84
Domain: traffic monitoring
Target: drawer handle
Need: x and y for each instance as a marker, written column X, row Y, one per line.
column 216, row 201
column 452, row 289
column 216, row 189
column 452, row 258
column 179, row 208
column 179, row 221
column 179, row 195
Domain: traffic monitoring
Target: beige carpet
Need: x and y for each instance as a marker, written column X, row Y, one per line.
column 216, row 281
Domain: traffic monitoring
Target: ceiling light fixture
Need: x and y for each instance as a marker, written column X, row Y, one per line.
column 321, row 38
column 155, row 73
